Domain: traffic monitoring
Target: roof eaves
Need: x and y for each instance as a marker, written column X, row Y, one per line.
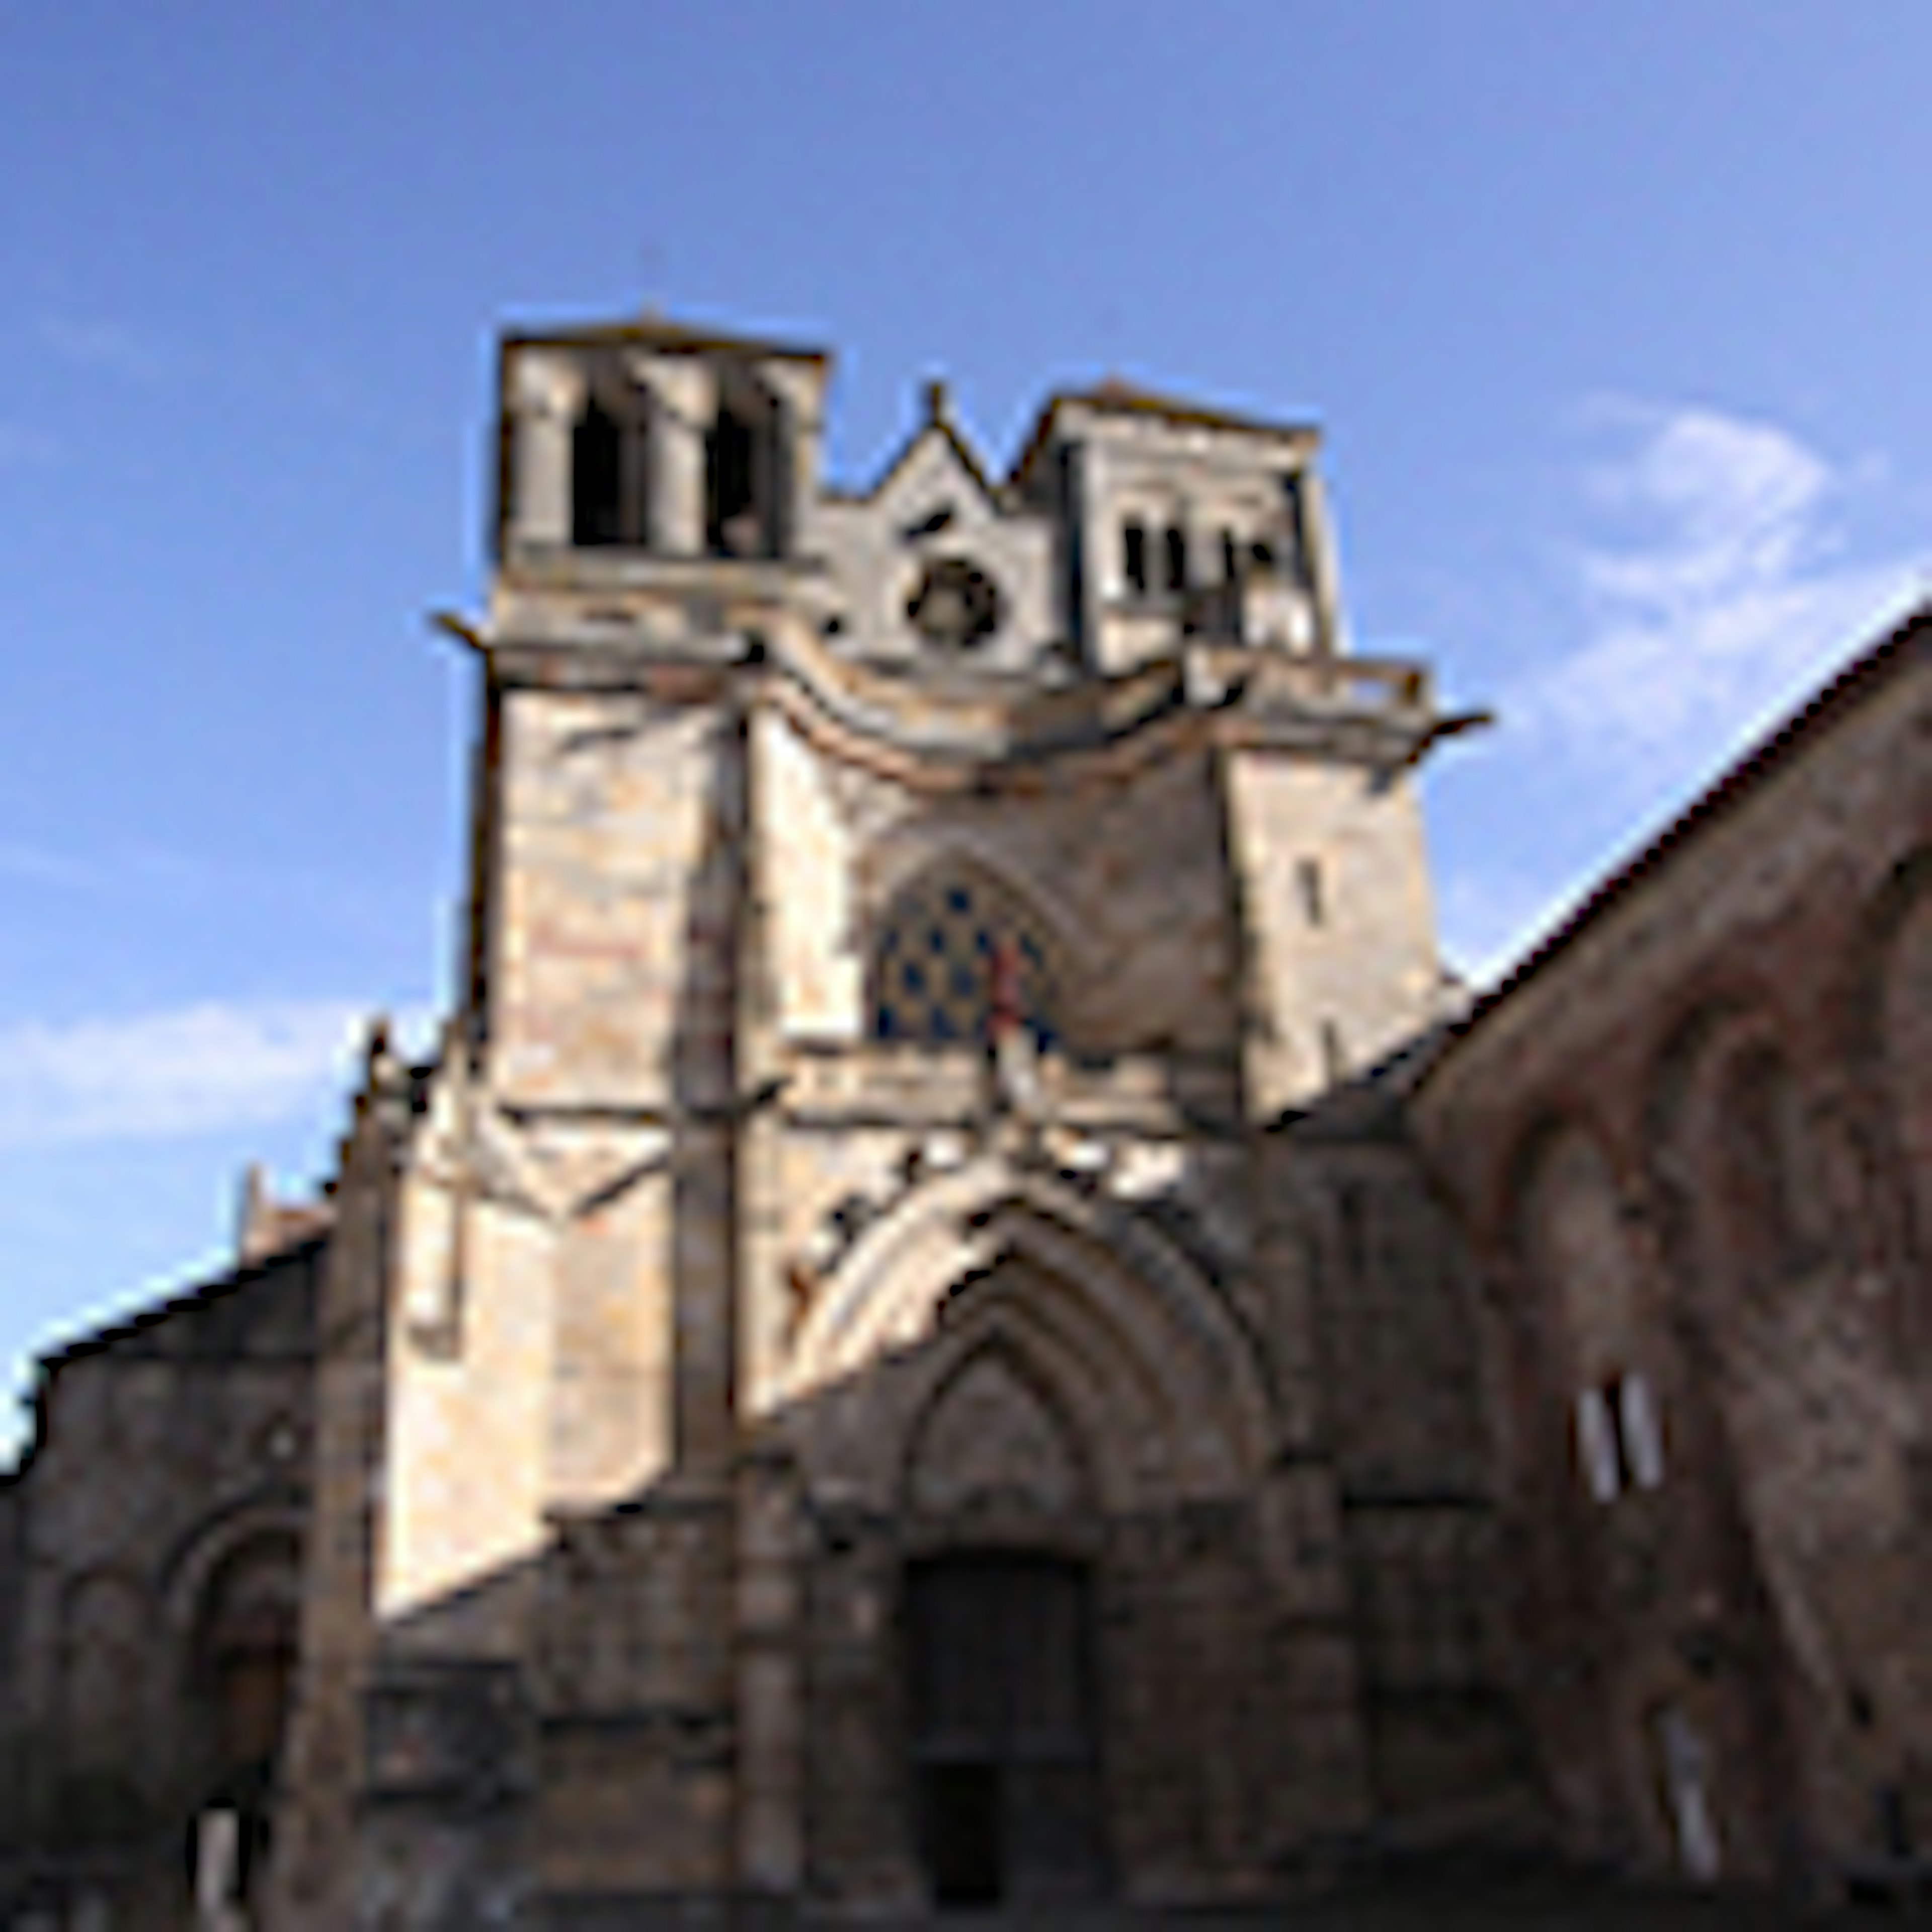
column 187, row 1301
column 669, row 338
column 1909, row 640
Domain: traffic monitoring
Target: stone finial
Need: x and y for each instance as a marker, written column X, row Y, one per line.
column 938, row 399
column 265, row 1226
column 257, row 1207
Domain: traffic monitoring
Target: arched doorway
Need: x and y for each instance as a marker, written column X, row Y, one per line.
column 242, row 1661
column 1001, row 1696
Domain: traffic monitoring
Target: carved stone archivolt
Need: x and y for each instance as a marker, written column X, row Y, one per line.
column 992, row 1444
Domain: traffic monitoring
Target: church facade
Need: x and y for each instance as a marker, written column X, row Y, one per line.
column 964, row 1314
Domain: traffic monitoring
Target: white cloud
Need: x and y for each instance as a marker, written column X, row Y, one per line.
column 196, row 1069
column 1728, row 599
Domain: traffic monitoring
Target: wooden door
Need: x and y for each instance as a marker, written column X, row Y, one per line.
column 1003, row 1753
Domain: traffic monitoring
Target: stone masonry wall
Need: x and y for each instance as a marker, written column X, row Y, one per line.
column 1687, row 1145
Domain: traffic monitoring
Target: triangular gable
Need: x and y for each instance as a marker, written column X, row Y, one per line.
column 934, row 460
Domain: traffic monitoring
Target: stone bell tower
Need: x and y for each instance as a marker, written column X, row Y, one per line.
column 826, row 1402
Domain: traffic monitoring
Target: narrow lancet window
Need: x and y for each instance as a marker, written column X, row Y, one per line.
column 1314, row 903
column 733, row 525
column 1176, row 557
column 597, row 477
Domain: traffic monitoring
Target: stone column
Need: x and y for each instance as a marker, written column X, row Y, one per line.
column 684, row 397
column 770, row 1794
column 546, row 395
column 1323, row 584
column 799, row 387
column 1101, row 582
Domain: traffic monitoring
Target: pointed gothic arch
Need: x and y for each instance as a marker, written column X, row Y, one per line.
column 1161, row 1385
column 1886, row 1025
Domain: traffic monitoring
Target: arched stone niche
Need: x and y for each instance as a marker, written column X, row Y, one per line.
column 103, row 1619
column 1150, row 1370
column 1570, row 1238
column 1805, row 1381
column 1003, row 1379
column 1891, row 1016
column 243, row 1643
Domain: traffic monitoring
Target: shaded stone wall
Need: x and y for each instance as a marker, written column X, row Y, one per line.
column 153, row 1531
column 1687, row 1145
column 1401, row 1394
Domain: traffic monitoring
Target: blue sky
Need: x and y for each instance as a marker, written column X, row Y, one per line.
column 1614, row 316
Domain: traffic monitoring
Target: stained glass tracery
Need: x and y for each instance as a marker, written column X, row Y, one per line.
column 933, row 964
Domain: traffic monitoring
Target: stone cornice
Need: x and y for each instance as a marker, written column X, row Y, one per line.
column 959, row 733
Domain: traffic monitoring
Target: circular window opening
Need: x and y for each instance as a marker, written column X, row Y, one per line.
column 956, row 606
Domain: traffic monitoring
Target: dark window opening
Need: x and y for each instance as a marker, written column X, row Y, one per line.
column 597, row 478
column 1260, row 553
column 732, row 525
column 1231, row 558
column 1295, row 561
column 1176, row 541
column 930, row 525
column 1334, row 1056
column 1619, row 1439
column 243, row 1664
column 1308, row 877
column 1002, row 1729
column 956, row 605
column 1134, row 557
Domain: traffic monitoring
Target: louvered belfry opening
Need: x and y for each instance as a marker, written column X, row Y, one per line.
column 1002, row 1697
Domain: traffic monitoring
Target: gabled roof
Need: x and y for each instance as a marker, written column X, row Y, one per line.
column 661, row 335
column 1909, row 644
column 938, row 420
column 186, row 1302
column 1115, row 395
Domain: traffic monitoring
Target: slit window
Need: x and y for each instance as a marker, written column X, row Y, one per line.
column 1176, row 546
column 1294, row 530
column 1231, row 558
column 1619, row 1443
column 733, row 527
column 597, row 477
column 1134, row 557
column 1314, row 901
column 1334, row 1052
